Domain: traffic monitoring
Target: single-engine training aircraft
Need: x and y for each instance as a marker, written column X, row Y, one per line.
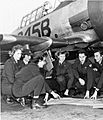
column 71, row 23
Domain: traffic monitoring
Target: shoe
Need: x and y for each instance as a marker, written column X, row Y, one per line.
column 37, row 106
column 70, row 93
column 10, row 100
column 22, row 102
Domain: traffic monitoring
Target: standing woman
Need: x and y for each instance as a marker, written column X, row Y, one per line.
column 10, row 69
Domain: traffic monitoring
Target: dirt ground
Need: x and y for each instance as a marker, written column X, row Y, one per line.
column 52, row 112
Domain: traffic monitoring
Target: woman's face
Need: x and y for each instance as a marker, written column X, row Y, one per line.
column 82, row 57
column 17, row 54
column 97, row 56
column 27, row 58
column 61, row 57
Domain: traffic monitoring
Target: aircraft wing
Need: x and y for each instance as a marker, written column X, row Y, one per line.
column 35, row 43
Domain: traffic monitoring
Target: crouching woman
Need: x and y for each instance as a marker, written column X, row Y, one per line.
column 29, row 79
column 10, row 69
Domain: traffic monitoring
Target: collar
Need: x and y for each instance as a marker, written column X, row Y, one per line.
column 62, row 62
column 84, row 61
column 101, row 61
column 13, row 60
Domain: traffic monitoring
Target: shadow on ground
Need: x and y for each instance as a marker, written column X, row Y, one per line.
column 52, row 112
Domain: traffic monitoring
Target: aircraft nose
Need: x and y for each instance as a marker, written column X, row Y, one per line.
column 1, row 37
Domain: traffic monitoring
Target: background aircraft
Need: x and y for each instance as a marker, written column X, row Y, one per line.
column 76, row 23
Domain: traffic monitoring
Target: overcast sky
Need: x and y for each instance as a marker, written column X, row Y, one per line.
column 12, row 11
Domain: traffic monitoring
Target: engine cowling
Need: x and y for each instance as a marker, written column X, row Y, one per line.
column 95, row 12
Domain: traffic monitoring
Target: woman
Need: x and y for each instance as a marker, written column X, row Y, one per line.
column 29, row 79
column 97, row 73
column 64, row 73
column 83, row 74
column 10, row 69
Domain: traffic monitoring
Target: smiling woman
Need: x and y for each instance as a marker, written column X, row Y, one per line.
column 10, row 69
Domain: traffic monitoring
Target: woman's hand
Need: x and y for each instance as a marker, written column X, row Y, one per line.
column 94, row 96
column 86, row 95
column 82, row 82
column 55, row 95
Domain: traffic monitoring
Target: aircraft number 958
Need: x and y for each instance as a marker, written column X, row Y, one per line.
column 39, row 29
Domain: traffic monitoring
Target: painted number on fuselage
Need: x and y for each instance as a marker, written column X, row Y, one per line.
column 39, row 29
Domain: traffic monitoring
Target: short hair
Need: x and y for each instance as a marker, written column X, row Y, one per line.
column 81, row 51
column 26, row 52
column 15, row 48
column 97, row 50
column 62, row 52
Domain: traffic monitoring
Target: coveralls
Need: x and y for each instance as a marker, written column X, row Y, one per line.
column 98, row 75
column 8, row 76
column 29, row 79
column 85, row 72
column 64, row 75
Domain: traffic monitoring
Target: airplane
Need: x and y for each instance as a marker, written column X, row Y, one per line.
column 72, row 24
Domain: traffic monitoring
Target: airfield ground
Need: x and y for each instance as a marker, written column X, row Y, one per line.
column 56, row 110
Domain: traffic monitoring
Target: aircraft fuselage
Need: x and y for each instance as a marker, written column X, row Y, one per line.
column 66, row 19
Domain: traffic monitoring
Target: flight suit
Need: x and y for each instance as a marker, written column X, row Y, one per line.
column 8, row 76
column 64, row 75
column 98, row 75
column 83, row 71
column 29, row 79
